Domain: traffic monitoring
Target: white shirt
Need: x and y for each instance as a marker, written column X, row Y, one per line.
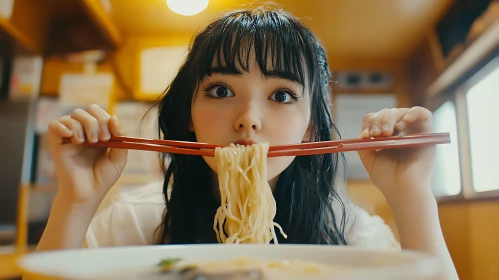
column 133, row 216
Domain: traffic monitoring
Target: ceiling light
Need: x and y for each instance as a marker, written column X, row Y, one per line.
column 187, row 7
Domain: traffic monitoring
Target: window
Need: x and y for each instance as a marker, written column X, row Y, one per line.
column 468, row 167
column 483, row 112
column 447, row 172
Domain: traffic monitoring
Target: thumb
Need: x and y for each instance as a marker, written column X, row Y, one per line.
column 366, row 156
column 117, row 156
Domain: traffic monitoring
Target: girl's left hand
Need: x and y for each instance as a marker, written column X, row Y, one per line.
column 397, row 170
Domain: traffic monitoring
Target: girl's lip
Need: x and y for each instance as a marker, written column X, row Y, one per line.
column 245, row 142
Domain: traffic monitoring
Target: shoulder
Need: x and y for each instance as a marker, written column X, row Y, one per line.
column 366, row 230
column 131, row 218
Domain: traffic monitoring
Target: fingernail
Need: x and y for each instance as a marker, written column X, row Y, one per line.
column 94, row 136
column 385, row 127
column 374, row 129
column 105, row 133
column 80, row 136
column 365, row 133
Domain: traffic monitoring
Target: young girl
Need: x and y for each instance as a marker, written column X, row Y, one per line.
column 250, row 76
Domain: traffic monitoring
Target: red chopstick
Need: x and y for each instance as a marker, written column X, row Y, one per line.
column 335, row 146
column 338, row 146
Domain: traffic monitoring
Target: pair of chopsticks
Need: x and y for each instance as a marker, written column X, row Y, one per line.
column 312, row 148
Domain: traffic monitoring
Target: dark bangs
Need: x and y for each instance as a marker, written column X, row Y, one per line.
column 276, row 41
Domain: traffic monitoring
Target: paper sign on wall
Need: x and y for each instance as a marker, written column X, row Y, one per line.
column 81, row 90
column 158, row 67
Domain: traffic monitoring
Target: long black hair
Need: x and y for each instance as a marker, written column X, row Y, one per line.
column 305, row 191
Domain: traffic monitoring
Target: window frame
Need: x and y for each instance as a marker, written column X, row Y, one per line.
column 458, row 97
column 433, row 105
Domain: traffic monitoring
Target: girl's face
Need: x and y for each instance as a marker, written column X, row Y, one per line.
column 230, row 107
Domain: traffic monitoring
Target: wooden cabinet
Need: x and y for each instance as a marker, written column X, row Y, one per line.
column 433, row 70
column 54, row 27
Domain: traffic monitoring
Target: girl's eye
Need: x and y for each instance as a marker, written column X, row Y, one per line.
column 219, row 91
column 284, row 97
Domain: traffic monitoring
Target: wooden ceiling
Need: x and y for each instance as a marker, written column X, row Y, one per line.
column 380, row 29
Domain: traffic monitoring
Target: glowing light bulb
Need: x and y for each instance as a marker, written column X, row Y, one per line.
column 187, row 7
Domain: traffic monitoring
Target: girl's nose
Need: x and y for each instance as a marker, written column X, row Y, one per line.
column 249, row 120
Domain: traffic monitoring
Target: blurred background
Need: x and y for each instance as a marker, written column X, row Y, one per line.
column 56, row 55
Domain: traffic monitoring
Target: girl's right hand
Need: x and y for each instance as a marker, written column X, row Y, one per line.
column 86, row 173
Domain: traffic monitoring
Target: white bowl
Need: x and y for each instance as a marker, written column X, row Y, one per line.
column 130, row 262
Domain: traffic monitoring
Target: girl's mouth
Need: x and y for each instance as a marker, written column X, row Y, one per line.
column 245, row 142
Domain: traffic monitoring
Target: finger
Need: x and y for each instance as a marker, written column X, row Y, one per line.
column 417, row 120
column 365, row 126
column 76, row 128
column 118, row 156
column 390, row 119
column 89, row 122
column 374, row 122
column 103, row 119
column 115, row 126
column 58, row 131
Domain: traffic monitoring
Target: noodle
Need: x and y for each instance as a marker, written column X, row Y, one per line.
column 247, row 210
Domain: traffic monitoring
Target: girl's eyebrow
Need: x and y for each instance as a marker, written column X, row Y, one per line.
column 284, row 75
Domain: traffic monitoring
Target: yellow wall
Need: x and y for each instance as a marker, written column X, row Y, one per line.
column 454, row 219
column 471, row 230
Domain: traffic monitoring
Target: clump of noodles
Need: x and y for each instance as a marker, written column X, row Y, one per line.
column 248, row 207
